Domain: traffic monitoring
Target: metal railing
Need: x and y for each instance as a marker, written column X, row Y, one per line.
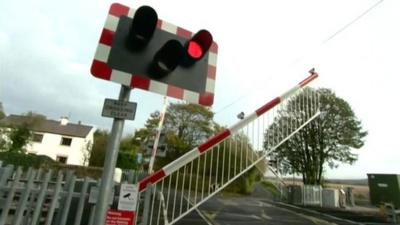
column 46, row 197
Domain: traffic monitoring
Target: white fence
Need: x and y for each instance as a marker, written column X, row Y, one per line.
column 39, row 197
column 312, row 195
column 308, row 195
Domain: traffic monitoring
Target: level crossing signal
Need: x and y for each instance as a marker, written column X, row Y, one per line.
column 161, row 148
column 142, row 49
column 155, row 52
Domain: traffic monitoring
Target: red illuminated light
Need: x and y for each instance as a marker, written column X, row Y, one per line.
column 194, row 50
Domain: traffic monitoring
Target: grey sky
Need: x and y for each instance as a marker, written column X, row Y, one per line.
column 265, row 47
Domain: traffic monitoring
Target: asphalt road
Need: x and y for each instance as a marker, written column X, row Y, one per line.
column 258, row 209
column 194, row 218
column 243, row 211
column 255, row 211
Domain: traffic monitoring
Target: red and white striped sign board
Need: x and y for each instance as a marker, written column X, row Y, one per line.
column 102, row 70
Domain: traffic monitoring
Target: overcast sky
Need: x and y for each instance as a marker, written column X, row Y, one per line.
column 265, row 47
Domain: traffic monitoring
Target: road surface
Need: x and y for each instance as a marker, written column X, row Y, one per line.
column 255, row 211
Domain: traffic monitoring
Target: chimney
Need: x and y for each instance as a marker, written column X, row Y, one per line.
column 64, row 120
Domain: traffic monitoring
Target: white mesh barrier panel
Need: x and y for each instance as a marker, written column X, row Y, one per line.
column 187, row 182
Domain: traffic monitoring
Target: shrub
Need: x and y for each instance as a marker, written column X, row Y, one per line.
column 270, row 187
column 45, row 162
column 26, row 160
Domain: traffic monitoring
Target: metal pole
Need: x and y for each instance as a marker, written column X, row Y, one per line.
column 159, row 128
column 147, row 198
column 110, row 162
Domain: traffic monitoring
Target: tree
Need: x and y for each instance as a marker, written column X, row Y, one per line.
column 238, row 154
column 86, row 152
column 17, row 135
column 328, row 139
column 99, row 148
column 191, row 123
column 3, row 140
column 185, row 126
column 149, row 130
column 2, row 113
column 126, row 154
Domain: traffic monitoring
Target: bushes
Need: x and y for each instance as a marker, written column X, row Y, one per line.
column 127, row 160
column 245, row 183
column 45, row 162
column 270, row 187
column 26, row 160
column 80, row 171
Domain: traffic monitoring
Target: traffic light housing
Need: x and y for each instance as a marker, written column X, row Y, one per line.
column 142, row 28
column 197, row 47
column 161, row 148
column 139, row 50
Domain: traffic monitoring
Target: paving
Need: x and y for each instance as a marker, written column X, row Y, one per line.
column 237, row 211
column 259, row 210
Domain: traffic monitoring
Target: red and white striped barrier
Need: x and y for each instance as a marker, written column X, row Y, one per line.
column 201, row 149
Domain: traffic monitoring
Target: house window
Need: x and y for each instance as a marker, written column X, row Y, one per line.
column 66, row 141
column 62, row 159
column 37, row 138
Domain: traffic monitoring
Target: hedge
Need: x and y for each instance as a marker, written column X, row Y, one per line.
column 26, row 160
column 45, row 162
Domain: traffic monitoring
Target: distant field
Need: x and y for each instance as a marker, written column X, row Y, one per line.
column 360, row 182
column 348, row 181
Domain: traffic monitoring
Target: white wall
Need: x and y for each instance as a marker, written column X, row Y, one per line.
column 51, row 146
column 89, row 139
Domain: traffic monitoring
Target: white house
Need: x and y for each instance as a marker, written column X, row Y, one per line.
column 60, row 140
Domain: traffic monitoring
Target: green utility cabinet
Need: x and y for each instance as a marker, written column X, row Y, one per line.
column 384, row 188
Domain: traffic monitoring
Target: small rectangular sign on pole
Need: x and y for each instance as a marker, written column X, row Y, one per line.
column 94, row 193
column 128, row 197
column 119, row 109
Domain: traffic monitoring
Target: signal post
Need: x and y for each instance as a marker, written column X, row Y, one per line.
column 138, row 50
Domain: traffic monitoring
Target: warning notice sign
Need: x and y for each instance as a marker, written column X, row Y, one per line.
column 128, row 197
column 115, row 217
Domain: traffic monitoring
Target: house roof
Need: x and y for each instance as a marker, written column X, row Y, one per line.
column 49, row 126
